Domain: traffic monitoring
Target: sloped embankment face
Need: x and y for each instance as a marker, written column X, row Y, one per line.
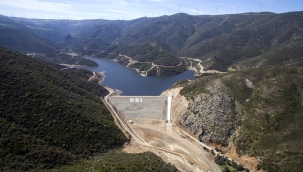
column 259, row 110
column 140, row 106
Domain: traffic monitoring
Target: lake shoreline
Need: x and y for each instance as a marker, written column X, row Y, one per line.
column 72, row 65
column 132, row 83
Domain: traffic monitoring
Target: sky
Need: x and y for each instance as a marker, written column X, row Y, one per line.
column 132, row 9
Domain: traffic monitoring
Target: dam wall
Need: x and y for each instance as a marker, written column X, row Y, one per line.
column 131, row 107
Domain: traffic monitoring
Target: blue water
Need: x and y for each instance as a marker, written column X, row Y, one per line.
column 132, row 83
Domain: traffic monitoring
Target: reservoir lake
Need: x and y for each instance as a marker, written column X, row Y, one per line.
column 130, row 82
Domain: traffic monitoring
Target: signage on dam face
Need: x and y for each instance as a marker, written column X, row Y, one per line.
column 131, row 107
column 137, row 100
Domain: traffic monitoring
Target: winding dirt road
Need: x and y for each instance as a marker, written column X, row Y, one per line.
column 199, row 66
column 144, row 73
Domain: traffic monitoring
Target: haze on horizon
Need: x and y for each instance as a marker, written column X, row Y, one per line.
column 132, row 9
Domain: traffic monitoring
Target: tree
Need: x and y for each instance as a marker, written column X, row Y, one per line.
column 226, row 169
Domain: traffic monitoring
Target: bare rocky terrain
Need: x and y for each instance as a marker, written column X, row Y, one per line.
column 252, row 116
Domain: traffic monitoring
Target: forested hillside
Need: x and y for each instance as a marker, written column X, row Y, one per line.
column 25, row 42
column 50, row 118
column 222, row 42
column 258, row 110
column 30, row 26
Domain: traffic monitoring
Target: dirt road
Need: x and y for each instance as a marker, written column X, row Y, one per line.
column 199, row 68
column 166, row 141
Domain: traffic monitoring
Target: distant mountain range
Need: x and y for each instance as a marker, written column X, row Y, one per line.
column 222, row 42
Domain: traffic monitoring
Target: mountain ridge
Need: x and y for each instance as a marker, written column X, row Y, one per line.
column 221, row 41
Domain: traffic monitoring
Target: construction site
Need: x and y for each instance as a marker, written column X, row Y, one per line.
column 149, row 122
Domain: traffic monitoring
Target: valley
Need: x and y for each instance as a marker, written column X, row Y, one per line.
column 131, row 82
column 53, row 120
column 221, row 42
column 235, row 84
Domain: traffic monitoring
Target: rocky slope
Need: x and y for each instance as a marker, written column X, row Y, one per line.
column 259, row 111
column 212, row 116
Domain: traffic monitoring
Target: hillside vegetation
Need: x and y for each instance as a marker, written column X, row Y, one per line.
column 30, row 26
column 222, row 42
column 63, row 58
column 259, row 110
column 117, row 161
column 50, row 118
column 25, row 42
